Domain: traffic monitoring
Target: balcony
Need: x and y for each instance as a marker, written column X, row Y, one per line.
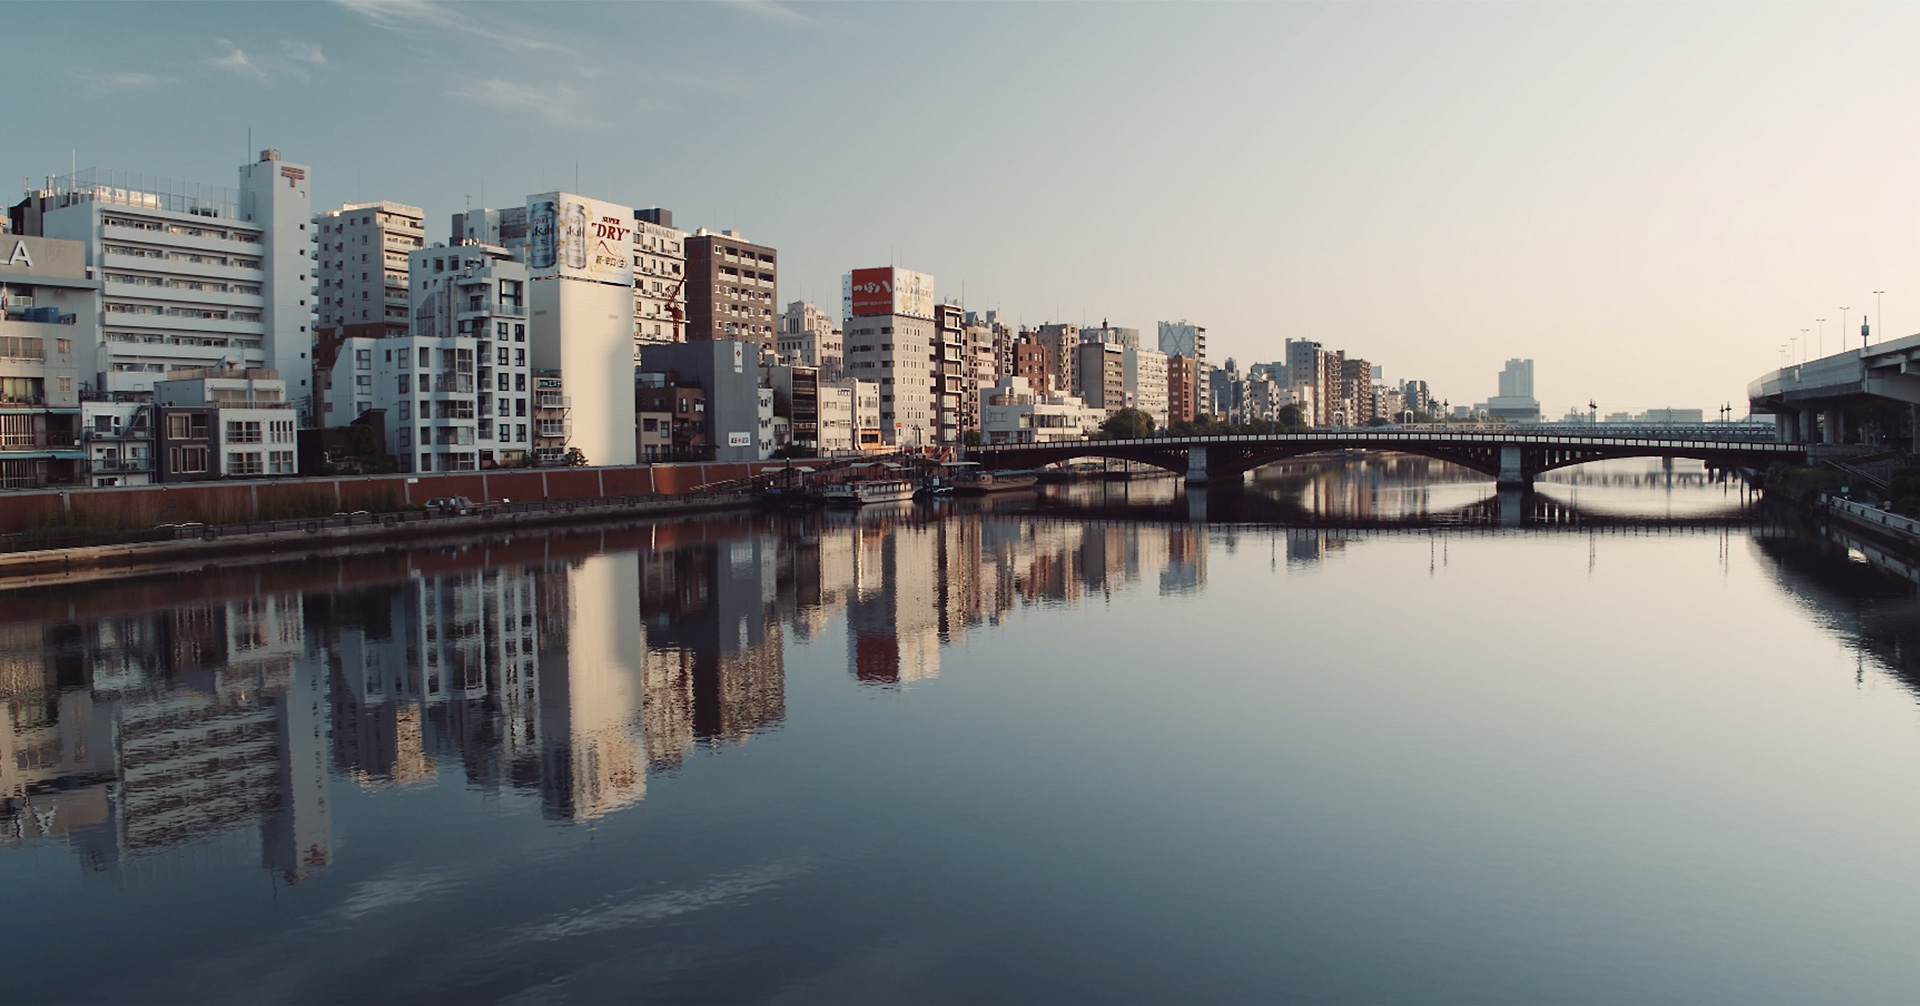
column 112, row 465
column 548, row 400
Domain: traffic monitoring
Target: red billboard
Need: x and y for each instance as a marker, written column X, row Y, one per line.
column 872, row 291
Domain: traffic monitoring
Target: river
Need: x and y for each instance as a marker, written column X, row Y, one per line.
column 1360, row 732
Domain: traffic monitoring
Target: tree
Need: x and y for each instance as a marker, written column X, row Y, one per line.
column 1290, row 418
column 1128, row 424
column 574, row 459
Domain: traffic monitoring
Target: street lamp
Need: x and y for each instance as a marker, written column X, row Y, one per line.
column 1877, row 294
column 1803, row 333
column 1823, row 335
column 1843, row 327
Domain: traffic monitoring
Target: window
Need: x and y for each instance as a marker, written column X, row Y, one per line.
column 363, row 359
column 426, row 357
column 519, row 333
column 243, row 432
column 63, row 345
column 406, row 436
column 280, row 463
column 520, row 407
column 426, row 381
column 403, row 383
column 519, row 382
column 244, row 463
column 405, row 407
column 363, row 381
column 64, row 384
column 501, row 356
column 500, row 329
column 282, row 431
column 187, row 460
column 520, row 431
column 519, row 357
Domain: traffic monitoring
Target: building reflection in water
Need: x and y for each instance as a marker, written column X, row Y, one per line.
column 148, row 716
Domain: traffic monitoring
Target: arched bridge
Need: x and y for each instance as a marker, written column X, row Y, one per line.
column 1514, row 458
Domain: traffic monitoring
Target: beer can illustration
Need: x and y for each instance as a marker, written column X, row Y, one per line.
column 575, row 236
column 543, row 225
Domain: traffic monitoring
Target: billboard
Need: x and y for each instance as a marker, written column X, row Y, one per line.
column 573, row 237
column 890, row 291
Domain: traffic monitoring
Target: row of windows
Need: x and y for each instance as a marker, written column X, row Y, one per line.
column 196, row 258
column 205, row 286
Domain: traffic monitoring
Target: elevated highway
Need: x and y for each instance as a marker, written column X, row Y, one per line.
column 1514, row 458
column 1810, row 401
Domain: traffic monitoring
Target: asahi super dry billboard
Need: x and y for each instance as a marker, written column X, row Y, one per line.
column 574, row 237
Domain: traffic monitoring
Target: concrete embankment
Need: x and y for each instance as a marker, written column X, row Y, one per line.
column 342, row 534
column 1903, row 531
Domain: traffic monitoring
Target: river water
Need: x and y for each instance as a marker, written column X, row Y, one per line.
column 1361, row 732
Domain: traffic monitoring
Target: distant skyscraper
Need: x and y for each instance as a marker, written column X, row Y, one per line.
column 1516, row 381
column 1515, row 400
column 1181, row 338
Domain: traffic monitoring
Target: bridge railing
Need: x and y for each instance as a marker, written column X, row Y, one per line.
column 1662, row 436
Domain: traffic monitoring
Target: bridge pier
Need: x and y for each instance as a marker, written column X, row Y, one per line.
column 1833, row 426
column 1202, row 471
column 1513, row 474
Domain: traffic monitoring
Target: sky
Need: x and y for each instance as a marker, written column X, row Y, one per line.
column 1648, row 200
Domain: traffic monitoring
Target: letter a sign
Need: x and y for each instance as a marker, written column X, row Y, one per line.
column 20, row 255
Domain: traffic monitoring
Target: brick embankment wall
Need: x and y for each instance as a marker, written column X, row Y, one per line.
column 227, row 502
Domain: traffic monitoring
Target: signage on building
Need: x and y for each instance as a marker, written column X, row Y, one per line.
column 890, row 291
column 739, row 440
column 573, row 237
column 293, row 174
column 739, row 358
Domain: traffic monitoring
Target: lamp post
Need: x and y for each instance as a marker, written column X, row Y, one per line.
column 1823, row 335
column 1843, row 327
column 1803, row 336
column 1877, row 294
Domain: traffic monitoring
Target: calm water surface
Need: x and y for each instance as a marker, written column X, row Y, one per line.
column 1365, row 733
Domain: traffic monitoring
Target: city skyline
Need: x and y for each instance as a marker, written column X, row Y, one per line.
column 1585, row 189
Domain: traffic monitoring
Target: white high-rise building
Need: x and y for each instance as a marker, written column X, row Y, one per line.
column 890, row 339
column 193, row 276
column 456, row 389
column 1144, row 378
column 360, row 258
column 1516, row 379
column 659, row 265
column 580, row 279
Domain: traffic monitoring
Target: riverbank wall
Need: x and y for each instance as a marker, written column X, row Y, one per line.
column 228, row 502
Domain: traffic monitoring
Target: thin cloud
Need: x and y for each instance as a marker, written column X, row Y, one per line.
column 236, row 60
column 304, row 52
column 556, row 102
column 416, row 17
column 771, row 10
column 123, row 80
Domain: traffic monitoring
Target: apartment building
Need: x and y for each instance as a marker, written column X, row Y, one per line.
column 1143, row 377
column 456, row 388
column 731, row 289
column 48, row 313
column 192, row 276
column 1063, row 355
column 219, row 423
column 361, row 253
column 892, row 339
column 659, row 271
column 1032, row 362
column 1102, row 372
column 1182, row 390
column 1017, row 413
column 950, row 371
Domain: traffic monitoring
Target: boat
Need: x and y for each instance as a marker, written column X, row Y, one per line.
column 864, row 491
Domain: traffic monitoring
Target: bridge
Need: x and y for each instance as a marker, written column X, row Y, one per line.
column 1515, row 458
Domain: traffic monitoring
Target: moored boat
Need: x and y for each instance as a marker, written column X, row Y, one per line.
column 864, row 491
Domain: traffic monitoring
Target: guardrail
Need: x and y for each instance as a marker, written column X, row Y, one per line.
column 1872, row 515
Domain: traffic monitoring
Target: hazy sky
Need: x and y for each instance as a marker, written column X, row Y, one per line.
column 1648, row 200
